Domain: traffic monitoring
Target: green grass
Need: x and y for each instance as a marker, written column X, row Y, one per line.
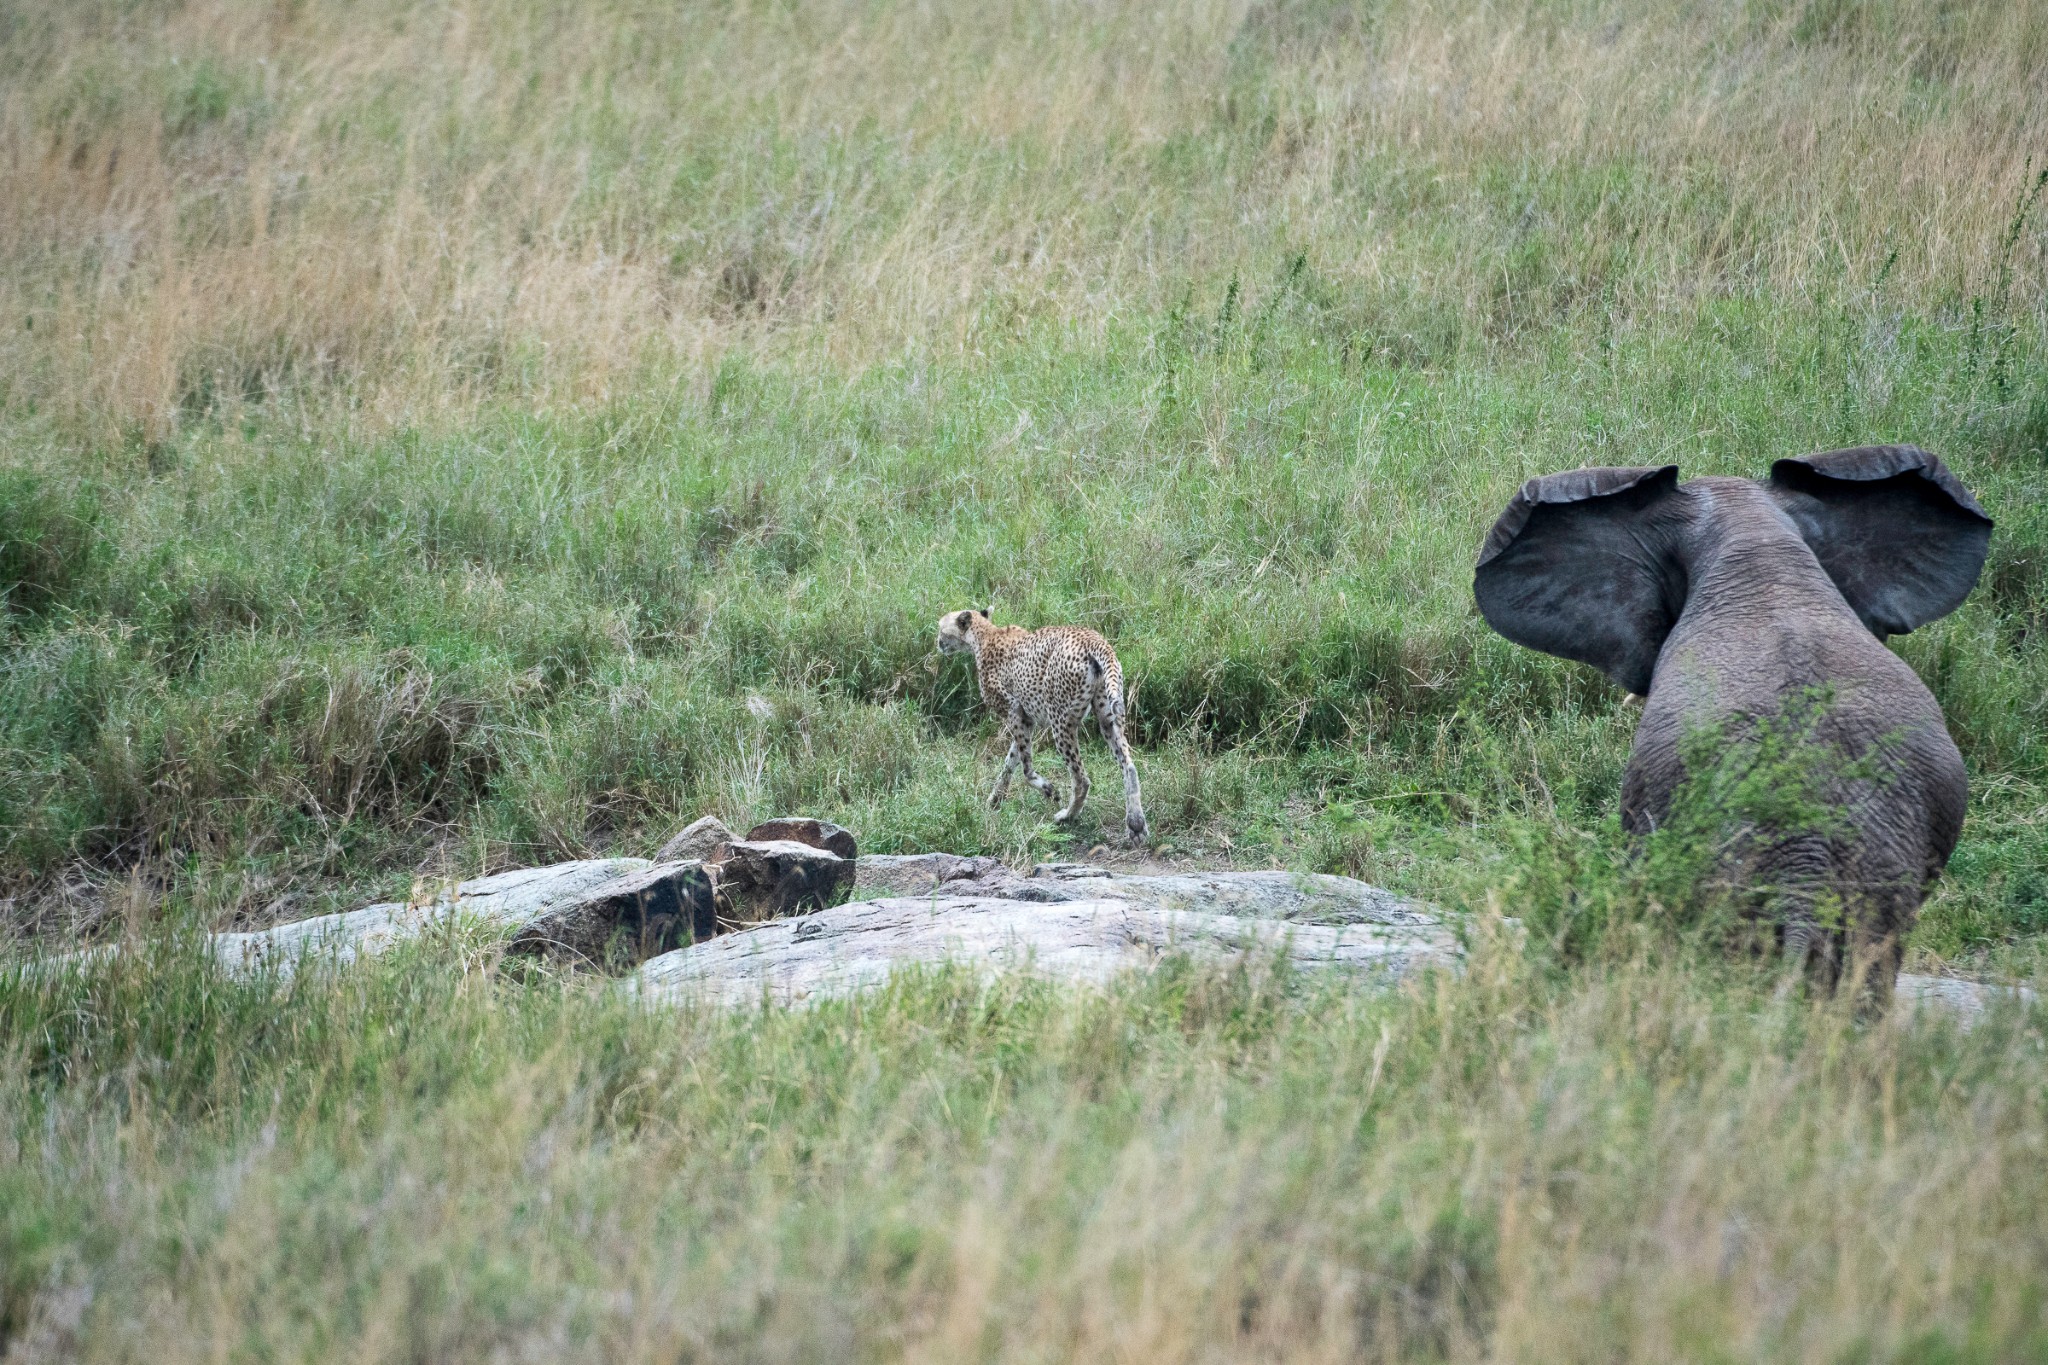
column 1644, row 1157
column 331, row 657
column 434, row 440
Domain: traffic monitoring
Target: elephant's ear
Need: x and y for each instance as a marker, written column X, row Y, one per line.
column 1899, row 534
column 1574, row 568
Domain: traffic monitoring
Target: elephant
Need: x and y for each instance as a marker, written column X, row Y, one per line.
column 1722, row 601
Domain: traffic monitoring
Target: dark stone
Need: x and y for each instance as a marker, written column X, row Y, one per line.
column 623, row 922
column 770, row 878
column 817, row 833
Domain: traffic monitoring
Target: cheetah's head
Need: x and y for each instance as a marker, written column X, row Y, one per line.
column 956, row 630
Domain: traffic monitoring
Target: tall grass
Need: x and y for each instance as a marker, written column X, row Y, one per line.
column 1639, row 1159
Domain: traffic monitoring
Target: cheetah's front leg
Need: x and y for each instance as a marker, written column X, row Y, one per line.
column 1037, row 780
column 1017, row 729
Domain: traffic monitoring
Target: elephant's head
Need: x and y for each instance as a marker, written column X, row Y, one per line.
column 1599, row 565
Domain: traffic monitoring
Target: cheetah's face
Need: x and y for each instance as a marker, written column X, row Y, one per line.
column 954, row 631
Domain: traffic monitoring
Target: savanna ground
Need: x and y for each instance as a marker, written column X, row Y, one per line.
column 437, row 438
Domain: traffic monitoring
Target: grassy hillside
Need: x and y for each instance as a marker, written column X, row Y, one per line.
column 428, row 430
column 436, row 438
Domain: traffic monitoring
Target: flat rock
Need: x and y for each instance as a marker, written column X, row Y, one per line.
column 1966, row 1001
column 802, row 830
column 1089, row 939
column 1307, row 898
column 507, row 901
column 699, row 840
column 628, row 919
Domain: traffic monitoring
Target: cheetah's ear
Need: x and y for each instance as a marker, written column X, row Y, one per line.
column 964, row 619
column 990, row 614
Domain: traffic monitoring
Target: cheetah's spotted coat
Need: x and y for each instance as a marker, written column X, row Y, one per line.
column 1051, row 679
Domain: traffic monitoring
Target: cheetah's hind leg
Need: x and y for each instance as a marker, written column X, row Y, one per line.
column 1067, row 739
column 1134, row 803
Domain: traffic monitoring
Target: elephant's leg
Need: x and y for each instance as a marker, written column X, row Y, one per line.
column 1877, row 942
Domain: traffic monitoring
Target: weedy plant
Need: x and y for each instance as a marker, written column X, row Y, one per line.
column 1748, row 787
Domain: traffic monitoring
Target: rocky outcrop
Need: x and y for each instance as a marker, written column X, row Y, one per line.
column 1086, row 938
column 1070, row 919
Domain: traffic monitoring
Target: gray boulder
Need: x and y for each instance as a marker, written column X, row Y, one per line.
column 698, row 840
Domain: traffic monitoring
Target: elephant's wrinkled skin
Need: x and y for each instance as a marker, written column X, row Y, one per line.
column 1723, row 600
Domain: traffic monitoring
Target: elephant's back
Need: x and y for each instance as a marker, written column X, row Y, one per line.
column 1849, row 719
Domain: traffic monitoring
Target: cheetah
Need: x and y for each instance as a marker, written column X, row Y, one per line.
column 1048, row 679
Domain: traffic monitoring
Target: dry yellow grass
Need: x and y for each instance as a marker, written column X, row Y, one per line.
column 415, row 207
